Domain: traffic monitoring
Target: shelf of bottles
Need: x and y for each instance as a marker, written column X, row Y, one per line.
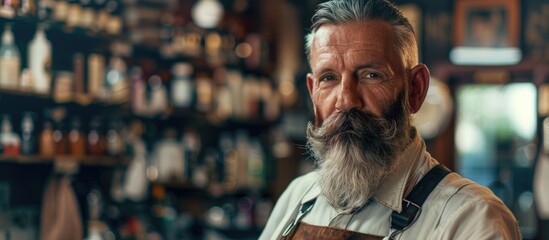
column 136, row 85
column 148, row 61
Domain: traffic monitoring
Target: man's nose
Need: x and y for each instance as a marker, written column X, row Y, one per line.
column 349, row 97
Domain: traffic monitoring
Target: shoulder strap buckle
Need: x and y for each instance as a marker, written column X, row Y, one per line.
column 411, row 205
column 410, row 212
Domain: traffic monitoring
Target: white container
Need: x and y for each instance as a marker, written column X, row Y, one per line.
column 40, row 61
column 182, row 85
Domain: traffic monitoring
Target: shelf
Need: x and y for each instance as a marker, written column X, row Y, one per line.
column 86, row 160
column 24, row 93
column 76, row 33
column 81, row 100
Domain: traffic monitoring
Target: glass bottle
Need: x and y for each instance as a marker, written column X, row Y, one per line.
column 10, row 60
column 229, row 161
column 88, row 14
column 60, row 10
column 46, row 140
column 78, row 76
column 63, row 88
column 169, row 158
column 96, row 75
column 28, row 138
column 44, row 9
column 6, row 9
column 96, row 141
column 102, row 16
column 182, row 85
column 114, row 23
column 138, row 91
column 158, row 95
column 28, row 7
column 77, row 139
column 115, row 144
column 74, row 16
column 116, row 83
column 60, row 138
column 8, row 139
column 204, row 93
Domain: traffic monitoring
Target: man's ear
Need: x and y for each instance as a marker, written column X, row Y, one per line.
column 310, row 87
column 310, row 84
column 419, row 84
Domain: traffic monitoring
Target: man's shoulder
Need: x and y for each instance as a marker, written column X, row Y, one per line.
column 471, row 211
column 468, row 191
column 463, row 195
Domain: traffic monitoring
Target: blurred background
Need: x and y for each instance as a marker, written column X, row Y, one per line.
column 185, row 119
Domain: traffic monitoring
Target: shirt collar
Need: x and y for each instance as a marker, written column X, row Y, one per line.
column 404, row 177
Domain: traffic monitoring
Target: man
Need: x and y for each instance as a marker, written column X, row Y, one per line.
column 365, row 83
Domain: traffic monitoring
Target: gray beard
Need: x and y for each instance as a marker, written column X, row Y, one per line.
column 355, row 152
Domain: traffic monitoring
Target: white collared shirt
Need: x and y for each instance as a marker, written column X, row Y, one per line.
column 456, row 209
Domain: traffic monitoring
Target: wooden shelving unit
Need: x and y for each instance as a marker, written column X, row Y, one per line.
column 86, row 160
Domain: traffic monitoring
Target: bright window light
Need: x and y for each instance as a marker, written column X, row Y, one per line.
column 485, row 56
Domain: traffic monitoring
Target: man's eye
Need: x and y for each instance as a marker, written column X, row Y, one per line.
column 327, row 78
column 372, row 75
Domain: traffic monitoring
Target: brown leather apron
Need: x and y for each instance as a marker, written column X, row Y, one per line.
column 304, row 231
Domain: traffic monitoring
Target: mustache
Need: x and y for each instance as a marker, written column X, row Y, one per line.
column 357, row 124
column 354, row 127
column 379, row 136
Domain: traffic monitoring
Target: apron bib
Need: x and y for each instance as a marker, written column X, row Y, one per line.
column 305, row 231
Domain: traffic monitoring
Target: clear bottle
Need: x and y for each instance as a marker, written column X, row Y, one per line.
column 182, row 85
column 28, row 138
column 159, row 96
column 39, row 61
column 10, row 60
column 8, row 139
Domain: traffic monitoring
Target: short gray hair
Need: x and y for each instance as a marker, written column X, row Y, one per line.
column 344, row 11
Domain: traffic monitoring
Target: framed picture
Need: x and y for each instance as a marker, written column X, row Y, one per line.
column 487, row 23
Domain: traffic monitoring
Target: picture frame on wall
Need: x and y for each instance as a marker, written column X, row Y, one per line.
column 486, row 32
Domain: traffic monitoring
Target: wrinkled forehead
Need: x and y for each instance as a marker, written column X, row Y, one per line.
column 372, row 36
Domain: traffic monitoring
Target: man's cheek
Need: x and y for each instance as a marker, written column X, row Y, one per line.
column 318, row 117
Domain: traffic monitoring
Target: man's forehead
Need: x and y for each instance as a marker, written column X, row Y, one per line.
column 353, row 35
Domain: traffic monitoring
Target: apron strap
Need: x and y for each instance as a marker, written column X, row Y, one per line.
column 307, row 202
column 400, row 221
column 303, row 210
